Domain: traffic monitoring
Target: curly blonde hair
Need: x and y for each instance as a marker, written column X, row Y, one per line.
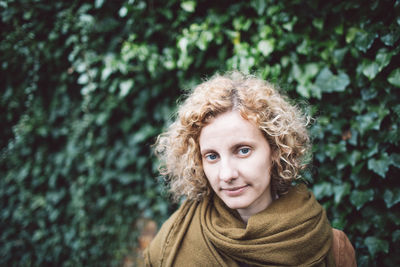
column 283, row 125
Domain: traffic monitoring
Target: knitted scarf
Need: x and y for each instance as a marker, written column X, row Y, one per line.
column 292, row 231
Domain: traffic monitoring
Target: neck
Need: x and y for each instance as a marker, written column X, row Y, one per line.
column 245, row 214
column 245, row 218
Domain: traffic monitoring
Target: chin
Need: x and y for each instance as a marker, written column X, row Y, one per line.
column 235, row 204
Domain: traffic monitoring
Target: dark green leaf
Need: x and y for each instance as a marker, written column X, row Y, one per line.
column 396, row 235
column 381, row 165
column 391, row 197
column 395, row 160
column 394, row 77
column 363, row 40
column 367, row 122
column 332, row 150
column 328, row 82
column 359, row 198
column 341, row 191
column 370, row 69
column 391, row 38
column 322, row 190
column 376, row 245
column 188, row 6
column 383, row 58
column 318, row 23
column 363, row 226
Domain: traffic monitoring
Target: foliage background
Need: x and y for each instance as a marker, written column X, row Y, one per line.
column 87, row 85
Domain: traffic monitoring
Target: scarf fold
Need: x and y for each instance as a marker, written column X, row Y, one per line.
column 292, row 231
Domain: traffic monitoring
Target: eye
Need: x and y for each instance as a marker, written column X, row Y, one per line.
column 244, row 151
column 211, row 157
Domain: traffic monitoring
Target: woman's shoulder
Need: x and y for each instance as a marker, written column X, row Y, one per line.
column 155, row 250
column 343, row 250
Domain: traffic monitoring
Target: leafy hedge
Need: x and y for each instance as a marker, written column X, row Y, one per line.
column 87, row 85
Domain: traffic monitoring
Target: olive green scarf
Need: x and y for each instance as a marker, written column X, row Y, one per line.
column 292, row 231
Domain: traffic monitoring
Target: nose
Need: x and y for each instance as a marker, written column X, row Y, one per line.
column 227, row 171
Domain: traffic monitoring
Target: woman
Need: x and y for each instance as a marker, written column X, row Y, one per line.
column 233, row 154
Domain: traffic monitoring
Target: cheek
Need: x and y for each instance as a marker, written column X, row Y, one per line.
column 209, row 172
column 260, row 168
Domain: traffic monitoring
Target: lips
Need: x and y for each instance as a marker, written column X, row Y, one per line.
column 234, row 191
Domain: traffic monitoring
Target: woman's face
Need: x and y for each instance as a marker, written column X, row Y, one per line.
column 237, row 161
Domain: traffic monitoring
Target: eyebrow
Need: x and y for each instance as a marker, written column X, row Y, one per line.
column 207, row 150
column 235, row 146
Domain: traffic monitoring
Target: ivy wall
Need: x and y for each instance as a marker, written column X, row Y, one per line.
column 86, row 86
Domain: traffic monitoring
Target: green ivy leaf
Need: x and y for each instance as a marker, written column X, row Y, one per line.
column 354, row 157
column 391, row 197
column 383, row 58
column 289, row 25
column 328, row 82
column 372, row 150
column 204, row 39
column 364, row 39
column 359, row 198
column 341, row 191
column 363, row 226
column 368, row 93
column 83, row 79
column 366, row 122
column 98, row 3
column 396, row 236
column 259, row 6
column 303, row 47
column 322, row 190
column 395, row 160
column 318, row 23
column 339, row 29
column 394, row 217
column 303, row 90
column 188, row 6
column 391, row 38
column 338, row 55
column 370, row 69
column 394, row 77
column 376, row 245
column 332, row 150
column 125, row 87
column 380, row 166
column 266, row 47
column 297, row 74
column 123, row 11
column 351, row 34
column 310, row 70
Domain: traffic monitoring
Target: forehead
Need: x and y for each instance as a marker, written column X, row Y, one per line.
column 229, row 127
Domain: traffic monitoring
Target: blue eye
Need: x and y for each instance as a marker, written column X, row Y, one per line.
column 211, row 157
column 244, row 151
